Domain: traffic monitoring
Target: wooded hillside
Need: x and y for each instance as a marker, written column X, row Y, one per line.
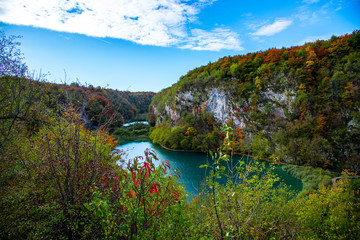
column 100, row 106
column 298, row 105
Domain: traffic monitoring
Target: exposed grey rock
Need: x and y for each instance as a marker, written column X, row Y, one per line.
column 218, row 104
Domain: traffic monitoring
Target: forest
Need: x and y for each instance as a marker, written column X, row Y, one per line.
column 296, row 105
column 100, row 106
column 62, row 177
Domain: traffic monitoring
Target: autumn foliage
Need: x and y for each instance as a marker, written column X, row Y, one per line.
column 298, row 104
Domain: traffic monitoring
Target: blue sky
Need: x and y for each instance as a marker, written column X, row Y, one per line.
column 147, row 45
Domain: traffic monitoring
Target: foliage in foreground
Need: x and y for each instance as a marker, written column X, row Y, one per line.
column 62, row 181
column 139, row 200
column 255, row 210
column 250, row 207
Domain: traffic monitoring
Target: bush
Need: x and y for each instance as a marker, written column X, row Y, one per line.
column 54, row 171
column 141, row 201
column 329, row 213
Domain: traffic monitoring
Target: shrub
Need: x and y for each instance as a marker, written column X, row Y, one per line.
column 329, row 213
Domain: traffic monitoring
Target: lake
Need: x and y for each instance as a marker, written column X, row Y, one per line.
column 132, row 123
column 188, row 164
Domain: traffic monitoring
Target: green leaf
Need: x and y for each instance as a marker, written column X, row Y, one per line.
column 203, row 166
column 223, row 168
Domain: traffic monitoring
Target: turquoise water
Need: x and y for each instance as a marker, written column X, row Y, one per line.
column 132, row 123
column 188, row 164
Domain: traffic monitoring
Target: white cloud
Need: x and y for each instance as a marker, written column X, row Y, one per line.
column 309, row 15
column 274, row 28
column 148, row 22
column 315, row 38
column 215, row 40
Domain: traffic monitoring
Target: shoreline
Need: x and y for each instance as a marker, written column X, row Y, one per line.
column 177, row 150
column 198, row 151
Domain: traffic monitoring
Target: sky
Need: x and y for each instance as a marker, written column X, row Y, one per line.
column 147, row 45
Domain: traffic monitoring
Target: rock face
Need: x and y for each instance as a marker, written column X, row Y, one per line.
column 280, row 101
column 212, row 100
column 223, row 106
column 218, row 104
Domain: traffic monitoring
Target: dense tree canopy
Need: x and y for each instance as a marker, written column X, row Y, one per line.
column 99, row 106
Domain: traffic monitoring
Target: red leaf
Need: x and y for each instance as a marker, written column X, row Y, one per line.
column 156, row 189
